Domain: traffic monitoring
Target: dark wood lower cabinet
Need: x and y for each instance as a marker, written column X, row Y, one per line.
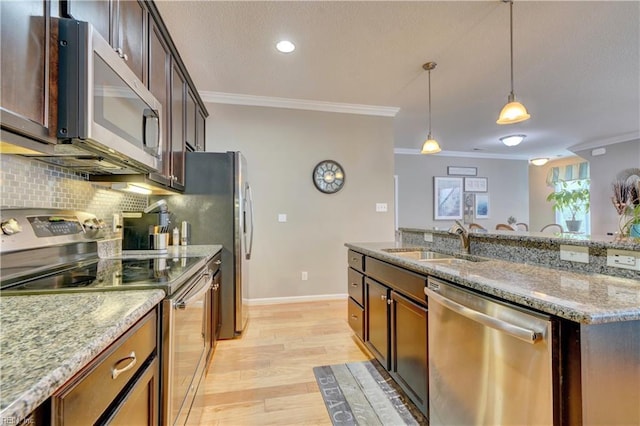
column 377, row 314
column 409, row 362
column 395, row 322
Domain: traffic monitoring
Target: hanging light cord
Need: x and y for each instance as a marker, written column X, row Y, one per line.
column 511, row 95
column 429, row 135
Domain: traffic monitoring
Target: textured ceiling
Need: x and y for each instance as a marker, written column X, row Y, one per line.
column 576, row 64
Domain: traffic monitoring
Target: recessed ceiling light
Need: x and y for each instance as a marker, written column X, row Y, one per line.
column 512, row 140
column 285, row 46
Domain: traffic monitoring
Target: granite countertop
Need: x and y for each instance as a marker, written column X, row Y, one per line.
column 600, row 241
column 46, row 339
column 580, row 297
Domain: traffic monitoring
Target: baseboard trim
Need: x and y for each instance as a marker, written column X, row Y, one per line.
column 296, row 299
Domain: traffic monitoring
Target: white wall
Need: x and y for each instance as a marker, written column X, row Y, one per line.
column 508, row 188
column 282, row 146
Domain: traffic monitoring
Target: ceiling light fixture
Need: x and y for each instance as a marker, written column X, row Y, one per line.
column 430, row 146
column 285, row 46
column 539, row 161
column 127, row 187
column 513, row 111
column 512, row 140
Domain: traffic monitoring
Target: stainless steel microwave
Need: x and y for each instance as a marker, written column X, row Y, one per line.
column 103, row 107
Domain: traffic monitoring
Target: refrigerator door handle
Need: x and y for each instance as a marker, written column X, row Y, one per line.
column 250, row 198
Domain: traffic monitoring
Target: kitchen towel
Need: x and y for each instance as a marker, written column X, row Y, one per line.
column 363, row 393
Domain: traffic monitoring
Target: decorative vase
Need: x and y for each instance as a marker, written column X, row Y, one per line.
column 634, row 230
column 573, row 225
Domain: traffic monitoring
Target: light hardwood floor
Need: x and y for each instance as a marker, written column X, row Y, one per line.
column 266, row 377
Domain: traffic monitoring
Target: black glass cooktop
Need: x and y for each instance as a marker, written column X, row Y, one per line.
column 105, row 274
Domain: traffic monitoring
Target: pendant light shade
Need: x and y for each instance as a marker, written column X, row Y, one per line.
column 430, row 146
column 513, row 111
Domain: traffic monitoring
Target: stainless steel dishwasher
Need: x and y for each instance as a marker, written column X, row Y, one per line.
column 490, row 363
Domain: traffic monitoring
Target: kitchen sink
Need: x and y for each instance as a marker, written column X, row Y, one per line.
column 419, row 254
column 429, row 256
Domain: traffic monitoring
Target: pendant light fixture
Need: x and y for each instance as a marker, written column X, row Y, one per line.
column 430, row 146
column 513, row 111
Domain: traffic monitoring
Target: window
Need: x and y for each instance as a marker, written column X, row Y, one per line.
column 562, row 216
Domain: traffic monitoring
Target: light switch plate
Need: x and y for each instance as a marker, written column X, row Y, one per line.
column 282, row 217
column 625, row 259
column 574, row 253
column 381, row 207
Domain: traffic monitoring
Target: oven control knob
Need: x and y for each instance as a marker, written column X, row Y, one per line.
column 10, row 226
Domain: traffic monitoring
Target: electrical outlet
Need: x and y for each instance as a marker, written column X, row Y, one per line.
column 428, row 237
column 116, row 222
column 625, row 259
column 304, row 276
column 574, row 253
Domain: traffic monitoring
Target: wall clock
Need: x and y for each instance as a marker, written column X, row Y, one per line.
column 328, row 176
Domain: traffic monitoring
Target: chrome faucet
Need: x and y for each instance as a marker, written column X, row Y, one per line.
column 459, row 229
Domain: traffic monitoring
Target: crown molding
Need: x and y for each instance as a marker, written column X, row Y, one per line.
column 267, row 101
column 462, row 154
column 626, row 137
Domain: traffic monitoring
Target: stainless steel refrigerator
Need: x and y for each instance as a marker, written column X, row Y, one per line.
column 217, row 204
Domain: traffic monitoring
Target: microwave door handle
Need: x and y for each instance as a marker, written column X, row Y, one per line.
column 149, row 113
column 524, row 334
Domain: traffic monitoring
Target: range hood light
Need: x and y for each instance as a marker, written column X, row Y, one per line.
column 127, row 187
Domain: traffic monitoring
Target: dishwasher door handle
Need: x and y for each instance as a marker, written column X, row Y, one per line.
column 524, row 334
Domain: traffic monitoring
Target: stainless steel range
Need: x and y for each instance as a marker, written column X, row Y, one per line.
column 55, row 251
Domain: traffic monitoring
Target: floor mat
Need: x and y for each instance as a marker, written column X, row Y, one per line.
column 363, row 393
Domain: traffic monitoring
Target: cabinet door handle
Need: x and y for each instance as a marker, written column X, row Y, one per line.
column 383, row 297
column 354, row 284
column 115, row 372
column 355, row 317
column 218, row 262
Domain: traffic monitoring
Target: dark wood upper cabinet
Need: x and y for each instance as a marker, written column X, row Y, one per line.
column 98, row 13
column 177, row 127
column 201, row 130
column 159, row 78
column 131, row 38
column 24, row 67
column 190, row 123
column 122, row 22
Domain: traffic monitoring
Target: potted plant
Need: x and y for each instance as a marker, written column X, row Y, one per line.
column 632, row 226
column 573, row 200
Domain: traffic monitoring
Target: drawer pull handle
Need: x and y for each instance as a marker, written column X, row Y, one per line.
column 115, row 372
column 355, row 317
column 354, row 284
column 353, row 259
column 218, row 262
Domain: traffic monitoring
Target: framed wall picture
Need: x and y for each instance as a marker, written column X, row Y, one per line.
column 447, row 198
column 462, row 171
column 482, row 206
column 476, row 184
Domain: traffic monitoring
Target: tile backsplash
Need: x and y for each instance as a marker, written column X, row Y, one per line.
column 30, row 183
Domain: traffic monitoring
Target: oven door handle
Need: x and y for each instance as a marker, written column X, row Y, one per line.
column 195, row 294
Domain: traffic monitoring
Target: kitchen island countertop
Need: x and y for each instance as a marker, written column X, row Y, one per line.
column 579, row 297
column 46, row 339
